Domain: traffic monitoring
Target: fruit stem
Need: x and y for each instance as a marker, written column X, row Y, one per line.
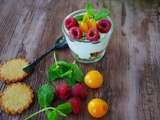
column 45, row 109
column 55, row 59
column 74, row 61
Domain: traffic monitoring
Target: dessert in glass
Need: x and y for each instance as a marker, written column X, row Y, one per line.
column 87, row 32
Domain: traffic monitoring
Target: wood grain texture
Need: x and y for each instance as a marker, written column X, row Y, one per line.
column 131, row 66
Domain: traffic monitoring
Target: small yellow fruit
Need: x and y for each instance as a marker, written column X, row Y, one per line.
column 85, row 18
column 97, row 107
column 92, row 23
column 93, row 79
column 83, row 26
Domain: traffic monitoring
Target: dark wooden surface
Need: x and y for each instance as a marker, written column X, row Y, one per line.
column 131, row 66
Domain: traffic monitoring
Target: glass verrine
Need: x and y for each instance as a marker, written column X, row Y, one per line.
column 86, row 51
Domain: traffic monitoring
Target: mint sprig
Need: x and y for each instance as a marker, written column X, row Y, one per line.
column 52, row 112
column 103, row 13
column 62, row 69
column 79, row 17
column 61, row 110
column 96, row 14
column 45, row 95
column 45, row 98
column 90, row 9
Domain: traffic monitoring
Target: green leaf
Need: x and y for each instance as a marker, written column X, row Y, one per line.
column 65, row 108
column 79, row 17
column 89, row 9
column 46, row 109
column 61, row 110
column 57, row 70
column 52, row 73
column 77, row 74
column 65, row 70
column 103, row 13
column 45, row 95
column 71, row 82
column 67, row 74
column 52, row 115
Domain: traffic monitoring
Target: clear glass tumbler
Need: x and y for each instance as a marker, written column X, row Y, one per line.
column 87, row 51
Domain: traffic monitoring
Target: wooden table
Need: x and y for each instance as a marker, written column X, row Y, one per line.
column 131, row 66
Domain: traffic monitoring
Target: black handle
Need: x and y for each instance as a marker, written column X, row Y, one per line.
column 36, row 61
column 58, row 45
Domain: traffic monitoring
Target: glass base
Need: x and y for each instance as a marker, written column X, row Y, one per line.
column 91, row 60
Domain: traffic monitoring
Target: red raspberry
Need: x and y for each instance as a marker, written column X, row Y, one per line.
column 79, row 91
column 104, row 25
column 75, row 33
column 70, row 22
column 76, row 105
column 93, row 34
column 63, row 91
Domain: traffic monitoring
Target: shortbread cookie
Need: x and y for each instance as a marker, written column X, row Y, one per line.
column 12, row 70
column 16, row 98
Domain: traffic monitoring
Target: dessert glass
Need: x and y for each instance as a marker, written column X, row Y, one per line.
column 86, row 51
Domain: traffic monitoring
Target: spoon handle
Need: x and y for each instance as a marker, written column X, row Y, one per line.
column 56, row 46
column 60, row 44
column 37, row 60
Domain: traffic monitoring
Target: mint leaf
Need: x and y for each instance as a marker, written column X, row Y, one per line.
column 65, row 108
column 89, row 9
column 79, row 17
column 52, row 115
column 77, row 74
column 65, row 70
column 71, row 82
column 61, row 110
column 45, row 95
column 103, row 13
column 58, row 70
